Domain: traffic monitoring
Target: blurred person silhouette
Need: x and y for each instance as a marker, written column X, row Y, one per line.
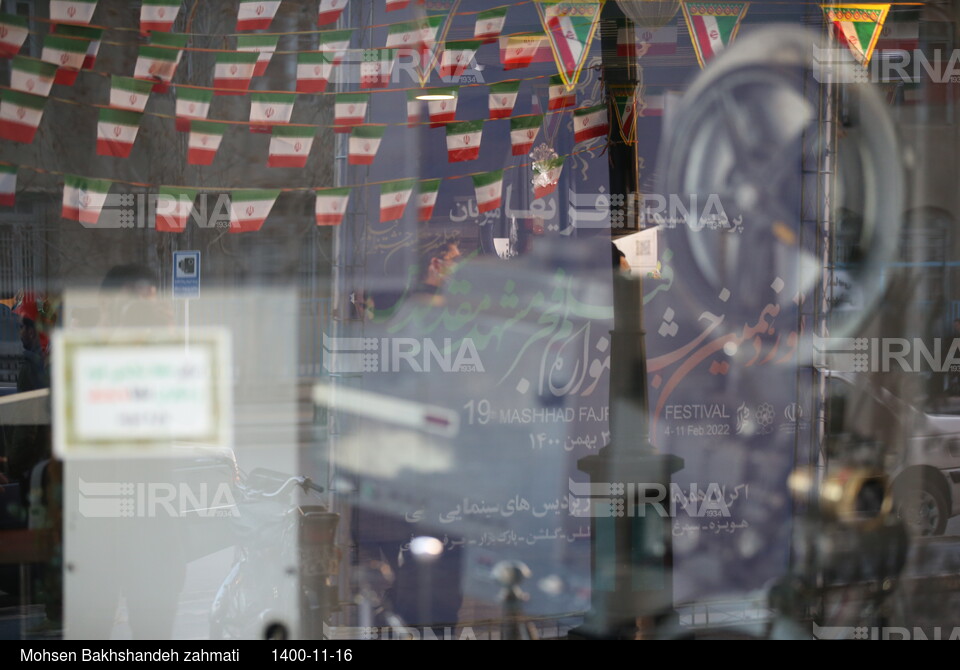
column 437, row 264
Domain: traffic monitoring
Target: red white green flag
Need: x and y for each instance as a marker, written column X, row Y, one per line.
column 129, row 93
column 263, row 45
column 625, row 107
column 394, row 196
column 414, row 107
column 13, row 33
column 233, row 72
column 67, row 53
column 489, row 24
column 488, row 187
column 590, row 123
column 205, row 138
column 349, row 110
column 503, row 98
column 330, row 11
column 427, row 199
column 547, row 177
column 116, row 132
column 192, row 103
column 290, row 146
column 92, row 35
column 405, row 35
column 463, row 140
column 713, row 26
column 560, row 96
column 335, row 42
column 157, row 64
column 174, row 207
column 331, row 204
column 270, row 109
column 72, row 11
column 364, row 143
column 8, row 185
column 523, row 132
column 256, row 14
column 377, row 68
column 444, row 109
column 457, row 57
column 20, row 115
column 32, row 76
column 650, row 104
column 158, row 15
column 570, row 26
column 249, row 209
column 517, row 51
column 83, row 198
column 857, row 26
column 313, row 71
column 394, row 5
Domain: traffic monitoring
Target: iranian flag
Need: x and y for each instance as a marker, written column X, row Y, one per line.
column 313, row 71
column 394, row 196
column 427, row 200
column 650, row 105
column 517, row 51
column 290, row 146
column 83, row 198
column 463, row 140
column 404, row 35
column 192, row 103
column 488, row 187
column 72, row 11
column 116, row 132
column 414, row 105
column 32, row 76
column 269, row 109
column 570, row 26
column 523, row 132
column 546, row 179
column 713, row 26
column 335, row 42
column 590, row 123
column 349, row 110
column 205, row 138
column 233, row 72
column 93, row 37
column 8, row 185
column 67, row 54
column 20, row 115
column 502, row 98
column 489, row 24
column 456, row 57
column 857, row 26
column 394, row 5
column 13, row 33
column 376, row 68
column 331, row 204
column 263, row 45
column 330, row 11
column 444, row 110
column 129, row 93
column 364, row 143
column 158, row 15
column 561, row 96
column 157, row 65
column 625, row 107
column 174, row 207
column 648, row 42
column 256, row 14
column 249, row 209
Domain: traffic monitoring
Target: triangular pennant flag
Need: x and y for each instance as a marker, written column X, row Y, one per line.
column 249, row 209
column 547, row 177
column 313, row 71
column 414, row 105
column 433, row 31
column 625, row 108
column 205, row 138
column 349, row 110
column 488, row 187
column 233, row 72
column 269, row 109
column 427, row 200
column 394, row 196
column 405, row 35
column 173, row 209
column 377, row 68
column 32, row 76
column 92, row 35
column 83, row 198
column 394, row 5
column 364, row 143
column 330, row 11
column 503, row 98
column 463, row 140
column 264, row 45
column 570, row 26
column 129, row 93
column 335, row 42
column 517, row 51
column 457, row 57
column 8, row 185
column 116, row 132
column 857, row 26
column 158, row 61
column 489, row 24
column 290, row 146
column 331, row 205
column 192, row 103
column 72, row 11
column 443, row 107
column 67, row 53
column 20, row 115
column 256, row 14
column 590, row 123
column 158, row 15
column 13, row 33
column 713, row 26
column 523, row 132
column 560, row 96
